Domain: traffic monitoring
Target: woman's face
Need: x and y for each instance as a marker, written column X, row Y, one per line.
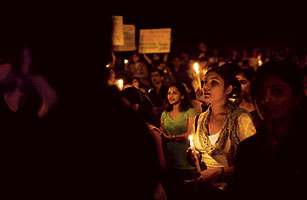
column 214, row 90
column 135, row 83
column 156, row 57
column 274, row 99
column 135, row 58
column 245, row 85
column 174, row 97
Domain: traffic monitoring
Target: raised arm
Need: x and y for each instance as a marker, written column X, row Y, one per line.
column 148, row 60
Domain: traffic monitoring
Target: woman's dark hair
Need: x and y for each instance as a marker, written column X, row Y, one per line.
column 190, row 87
column 228, row 73
column 185, row 103
column 249, row 73
column 135, row 96
column 285, row 70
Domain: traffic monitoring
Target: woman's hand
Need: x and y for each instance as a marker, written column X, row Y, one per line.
column 190, row 157
column 211, row 175
column 167, row 137
column 200, row 95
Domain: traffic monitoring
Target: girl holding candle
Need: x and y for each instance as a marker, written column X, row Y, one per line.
column 220, row 128
column 176, row 123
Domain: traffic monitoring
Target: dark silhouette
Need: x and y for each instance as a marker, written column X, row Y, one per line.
column 272, row 161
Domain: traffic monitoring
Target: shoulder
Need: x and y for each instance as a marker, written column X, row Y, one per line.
column 191, row 112
column 237, row 112
column 164, row 114
column 244, row 117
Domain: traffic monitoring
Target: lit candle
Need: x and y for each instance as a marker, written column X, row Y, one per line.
column 125, row 61
column 194, row 153
column 120, row 84
column 259, row 61
column 197, row 73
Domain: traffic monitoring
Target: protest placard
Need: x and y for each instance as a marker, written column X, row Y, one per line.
column 117, row 33
column 155, row 40
column 129, row 39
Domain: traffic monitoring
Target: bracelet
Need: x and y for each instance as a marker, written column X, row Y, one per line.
column 223, row 173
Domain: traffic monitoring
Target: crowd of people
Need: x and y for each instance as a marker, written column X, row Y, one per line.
column 235, row 103
column 79, row 134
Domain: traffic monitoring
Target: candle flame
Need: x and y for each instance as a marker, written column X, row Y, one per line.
column 196, row 68
column 259, row 62
column 191, row 140
column 120, row 83
column 125, row 61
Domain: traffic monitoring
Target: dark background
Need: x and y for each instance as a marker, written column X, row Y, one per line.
column 226, row 25
column 77, row 30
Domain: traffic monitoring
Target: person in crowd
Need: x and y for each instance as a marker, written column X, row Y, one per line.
column 213, row 60
column 253, row 60
column 271, row 161
column 135, row 82
column 79, row 148
column 24, row 93
column 246, row 76
column 137, row 68
column 158, row 93
column 244, row 58
column 176, row 124
column 235, row 57
column 179, row 69
column 197, row 105
column 202, row 51
column 185, row 56
column 139, row 102
column 156, row 58
column 218, row 131
column 168, row 76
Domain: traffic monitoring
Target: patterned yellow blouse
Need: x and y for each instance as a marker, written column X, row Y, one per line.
column 238, row 125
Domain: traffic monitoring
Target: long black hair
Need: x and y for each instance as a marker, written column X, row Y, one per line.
column 145, row 112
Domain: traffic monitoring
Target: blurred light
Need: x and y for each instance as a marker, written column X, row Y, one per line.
column 196, row 68
column 120, row 83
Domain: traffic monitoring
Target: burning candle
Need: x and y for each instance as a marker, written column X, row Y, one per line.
column 259, row 61
column 197, row 74
column 120, row 83
column 194, row 153
column 125, row 61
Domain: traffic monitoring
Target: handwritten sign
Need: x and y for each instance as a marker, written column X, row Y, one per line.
column 117, row 33
column 155, row 40
column 129, row 39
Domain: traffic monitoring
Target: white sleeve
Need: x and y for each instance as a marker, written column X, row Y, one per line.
column 246, row 126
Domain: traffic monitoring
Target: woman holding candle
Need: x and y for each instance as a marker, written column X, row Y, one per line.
column 220, row 129
column 176, row 124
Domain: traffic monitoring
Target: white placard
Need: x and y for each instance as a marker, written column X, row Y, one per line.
column 117, row 33
column 155, row 40
column 129, row 39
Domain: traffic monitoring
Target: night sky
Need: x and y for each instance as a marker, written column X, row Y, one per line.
column 220, row 25
column 226, row 26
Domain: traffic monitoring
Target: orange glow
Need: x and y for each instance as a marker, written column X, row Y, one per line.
column 191, row 141
column 196, row 68
column 194, row 153
column 120, row 83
